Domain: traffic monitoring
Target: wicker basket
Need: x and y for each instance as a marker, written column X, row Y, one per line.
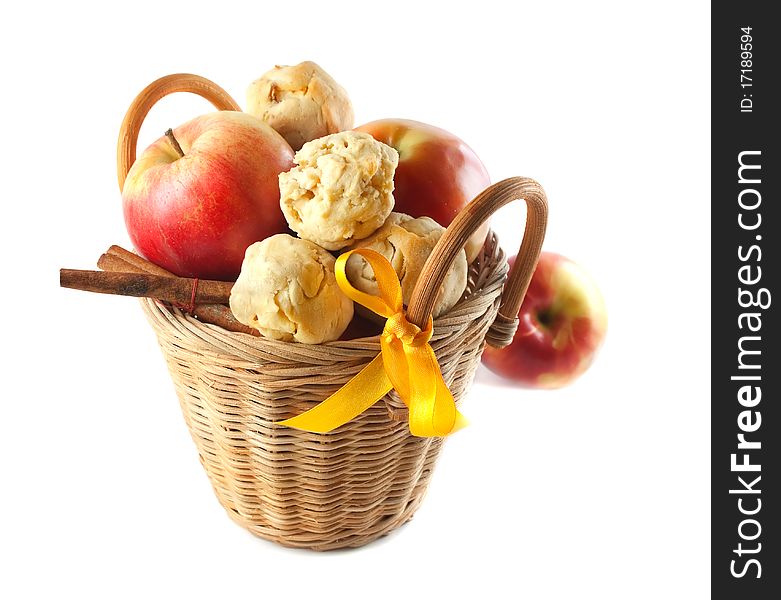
column 364, row 479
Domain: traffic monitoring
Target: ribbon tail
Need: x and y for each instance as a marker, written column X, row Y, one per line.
column 396, row 367
column 346, row 403
column 444, row 392
column 432, row 410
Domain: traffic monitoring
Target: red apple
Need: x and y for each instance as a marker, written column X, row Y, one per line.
column 562, row 324
column 438, row 174
column 195, row 209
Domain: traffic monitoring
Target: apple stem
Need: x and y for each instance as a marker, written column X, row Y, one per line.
column 170, row 135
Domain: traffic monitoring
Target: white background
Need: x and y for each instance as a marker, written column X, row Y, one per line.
column 599, row 490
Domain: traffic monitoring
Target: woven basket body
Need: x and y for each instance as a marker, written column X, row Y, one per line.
column 320, row 491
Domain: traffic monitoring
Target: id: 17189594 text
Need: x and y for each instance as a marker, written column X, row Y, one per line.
column 746, row 69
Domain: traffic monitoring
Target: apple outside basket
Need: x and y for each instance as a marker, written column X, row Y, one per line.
column 366, row 478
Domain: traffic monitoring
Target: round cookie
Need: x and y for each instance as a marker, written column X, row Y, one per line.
column 287, row 290
column 302, row 102
column 342, row 189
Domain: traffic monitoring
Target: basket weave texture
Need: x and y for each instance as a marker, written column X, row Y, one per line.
column 320, row 491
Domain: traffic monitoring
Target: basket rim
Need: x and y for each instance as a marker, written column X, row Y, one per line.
column 479, row 284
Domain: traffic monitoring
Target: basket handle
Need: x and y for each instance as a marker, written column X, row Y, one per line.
column 149, row 96
column 464, row 225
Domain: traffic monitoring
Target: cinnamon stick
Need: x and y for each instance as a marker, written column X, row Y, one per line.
column 117, row 259
column 138, row 262
column 179, row 290
column 220, row 315
column 114, row 264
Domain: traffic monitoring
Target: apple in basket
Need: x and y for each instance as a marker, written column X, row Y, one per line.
column 437, row 175
column 201, row 194
column 562, row 324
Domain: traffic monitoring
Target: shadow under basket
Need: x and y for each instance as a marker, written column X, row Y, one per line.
column 309, row 490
